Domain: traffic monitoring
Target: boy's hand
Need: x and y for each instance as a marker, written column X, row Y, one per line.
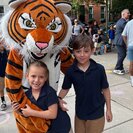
column 109, row 116
column 62, row 104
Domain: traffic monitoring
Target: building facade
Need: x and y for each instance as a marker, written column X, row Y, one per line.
column 3, row 7
column 92, row 12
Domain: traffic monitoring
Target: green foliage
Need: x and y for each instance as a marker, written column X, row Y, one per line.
column 75, row 6
column 99, row 1
column 119, row 5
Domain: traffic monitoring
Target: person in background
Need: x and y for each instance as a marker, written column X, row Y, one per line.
column 118, row 41
column 128, row 39
column 91, row 88
column 111, row 35
column 45, row 97
column 3, row 61
column 77, row 29
column 95, row 27
column 90, row 33
column 96, row 39
column 99, row 43
column 102, row 42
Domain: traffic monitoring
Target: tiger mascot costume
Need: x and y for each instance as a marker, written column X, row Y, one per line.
column 35, row 30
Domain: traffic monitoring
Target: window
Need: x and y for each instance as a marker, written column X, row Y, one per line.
column 1, row 11
column 82, row 13
column 90, row 12
column 102, row 12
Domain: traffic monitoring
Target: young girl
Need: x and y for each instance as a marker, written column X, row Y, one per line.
column 44, row 96
column 91, row 88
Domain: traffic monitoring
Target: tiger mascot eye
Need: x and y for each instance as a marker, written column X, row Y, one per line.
column 35, row 30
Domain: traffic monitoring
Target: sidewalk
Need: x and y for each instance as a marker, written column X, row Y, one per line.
column 121, row 93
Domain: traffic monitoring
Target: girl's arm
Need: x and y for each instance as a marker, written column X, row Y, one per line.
column 107, row 96
column 51, row 113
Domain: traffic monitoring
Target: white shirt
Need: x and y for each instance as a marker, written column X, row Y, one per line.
column 128, row 32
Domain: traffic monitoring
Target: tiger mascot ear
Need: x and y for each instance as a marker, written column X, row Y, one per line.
column 63, row 6
column 15, row 3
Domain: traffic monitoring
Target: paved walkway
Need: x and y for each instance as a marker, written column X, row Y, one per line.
column 122, row 100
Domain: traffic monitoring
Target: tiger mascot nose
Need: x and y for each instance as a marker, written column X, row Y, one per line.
column 41, row 37
column 41, row 45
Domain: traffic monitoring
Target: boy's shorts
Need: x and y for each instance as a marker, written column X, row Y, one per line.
column 97, row 45
column 111, row 41
column 130, row 53
column 2, row 85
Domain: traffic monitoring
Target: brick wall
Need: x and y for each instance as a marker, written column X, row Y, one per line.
column 97, row 12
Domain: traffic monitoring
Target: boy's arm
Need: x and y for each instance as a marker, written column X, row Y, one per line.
column 62, row 94
column 51, row 113
column 107, row 96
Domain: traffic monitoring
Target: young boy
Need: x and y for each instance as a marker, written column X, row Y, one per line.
column 111, row 34
column 91, row 88
column 44, row 96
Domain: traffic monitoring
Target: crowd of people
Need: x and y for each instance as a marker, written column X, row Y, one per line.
column 103, row 41
column 90, row 102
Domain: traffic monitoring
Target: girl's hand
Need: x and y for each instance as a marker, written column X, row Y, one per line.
column 27, row 111
column 109, row 116
column 62, row 104
column 16, row 108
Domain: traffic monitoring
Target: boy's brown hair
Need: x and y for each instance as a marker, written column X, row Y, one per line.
column 83, row 41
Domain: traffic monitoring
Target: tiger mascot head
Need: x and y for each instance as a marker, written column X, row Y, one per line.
column 37, row 26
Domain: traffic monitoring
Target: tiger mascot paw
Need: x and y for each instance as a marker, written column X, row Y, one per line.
column 35, row 30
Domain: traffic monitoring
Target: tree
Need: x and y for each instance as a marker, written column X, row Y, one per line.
column 76, row 5
column 119, row 5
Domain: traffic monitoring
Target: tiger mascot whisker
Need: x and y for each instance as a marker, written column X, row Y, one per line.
column 35, row 30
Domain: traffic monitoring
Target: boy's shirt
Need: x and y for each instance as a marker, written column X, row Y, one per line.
column 88, row 88
column 111, row 34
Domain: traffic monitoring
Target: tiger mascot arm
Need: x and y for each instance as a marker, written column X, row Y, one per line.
column 66, row 59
